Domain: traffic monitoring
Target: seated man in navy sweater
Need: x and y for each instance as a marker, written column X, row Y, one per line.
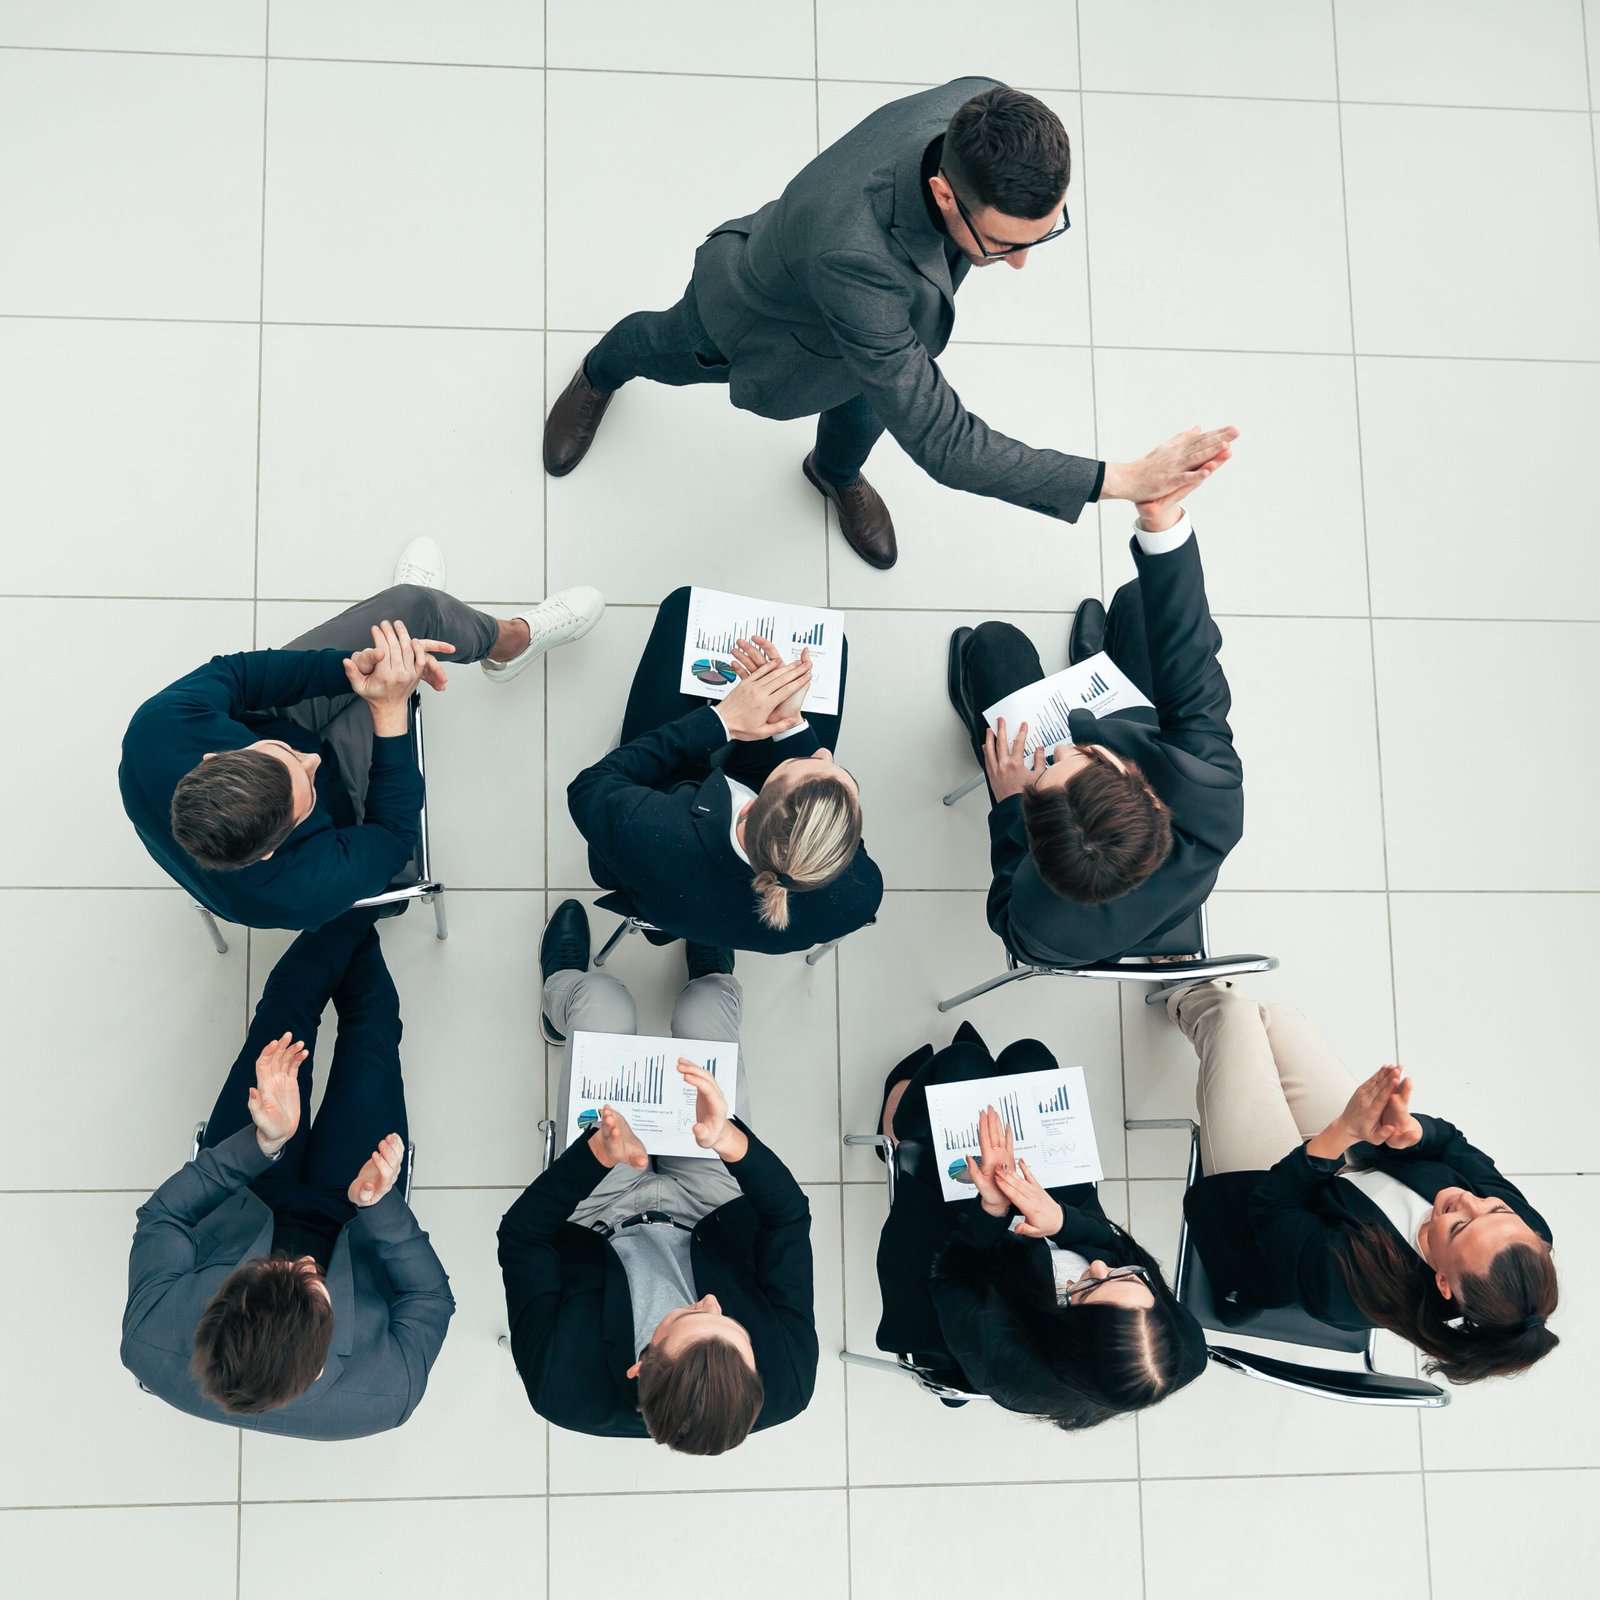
column 279, row 786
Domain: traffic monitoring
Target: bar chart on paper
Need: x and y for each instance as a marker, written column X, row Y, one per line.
column 718, row 620
column 1097, row 685
column 966, row 1138
column 638, row 1077
column 1047, row 1113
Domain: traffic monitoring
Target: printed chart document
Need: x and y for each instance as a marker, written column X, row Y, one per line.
column 717, row 619
column 637, row 1075
column 1098, row 685
column 1047, row 1113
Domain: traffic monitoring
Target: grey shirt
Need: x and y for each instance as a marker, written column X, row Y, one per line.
column 655, row 1257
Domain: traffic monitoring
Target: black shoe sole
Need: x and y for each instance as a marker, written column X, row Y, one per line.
column 548, row 1033
column 953, row 676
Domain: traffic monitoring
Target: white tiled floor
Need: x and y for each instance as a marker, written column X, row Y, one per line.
column 280, row 292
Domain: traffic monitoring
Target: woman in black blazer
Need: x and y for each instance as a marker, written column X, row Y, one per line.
column 730, row 826
column 1332, row 1195
column 1066, row 1318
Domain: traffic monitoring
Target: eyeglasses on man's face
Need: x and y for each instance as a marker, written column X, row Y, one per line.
column 1006, row 249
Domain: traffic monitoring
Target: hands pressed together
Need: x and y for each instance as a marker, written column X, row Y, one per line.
column 387, row 672
column 770, row 691
column 1379, row 1112
column 1004, row 1182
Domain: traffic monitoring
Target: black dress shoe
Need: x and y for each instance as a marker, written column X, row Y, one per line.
column 1088, row 636
column 573, row 422
column 864, row 519
column 955, row 677
column 704, row 959
column 563, row 948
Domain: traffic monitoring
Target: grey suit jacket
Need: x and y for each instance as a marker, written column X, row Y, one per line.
column 391, row 1298
column 841, row 287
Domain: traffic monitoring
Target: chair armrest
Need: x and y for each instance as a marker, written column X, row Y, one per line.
column 1332, row 1383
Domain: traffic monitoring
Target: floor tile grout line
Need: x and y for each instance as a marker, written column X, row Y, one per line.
column 547, row 67
column 1588, row 78
column 1001, row 344
column 1366, row 542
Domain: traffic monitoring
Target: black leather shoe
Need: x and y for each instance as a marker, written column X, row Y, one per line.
column 955, row 679
column 702, row 959
column 1088, row 636
column 863, row 517
column 573, row 422
column 563, row 948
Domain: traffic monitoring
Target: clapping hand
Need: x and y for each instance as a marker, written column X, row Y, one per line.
column 394, row 664
column 995, row 1156
column 1364, row 1118
column 1399, row 1129
column 615, row 1142
column 750, row 655
column 275, row 1099
column 377, row 1175
column 1042, row 1216
column 1004, row 763
column 757, row 706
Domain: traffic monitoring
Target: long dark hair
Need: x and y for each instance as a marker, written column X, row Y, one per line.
column 1076, row 1366
column 1498, row 1327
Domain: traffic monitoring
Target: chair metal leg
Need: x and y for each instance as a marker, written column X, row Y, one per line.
column 1011, row 975
column 964, row 790
column 850, row 1358
column 441, row 928
column 814, row 956
column 211, row 928
column 624, row 927
column 548, row 1128
column 504, row 1341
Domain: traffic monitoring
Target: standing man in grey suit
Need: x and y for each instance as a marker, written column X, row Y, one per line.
column 836, row 298
column 279, row 1280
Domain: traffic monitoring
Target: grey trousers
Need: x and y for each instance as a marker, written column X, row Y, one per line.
column 685, row 1187
column 342, row 720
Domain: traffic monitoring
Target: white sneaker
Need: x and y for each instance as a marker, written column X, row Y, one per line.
column 421, row 562
column 566, row 615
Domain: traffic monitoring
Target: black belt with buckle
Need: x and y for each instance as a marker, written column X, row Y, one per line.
column 607, row 1229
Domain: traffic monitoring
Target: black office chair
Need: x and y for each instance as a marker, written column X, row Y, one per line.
column 1364, row 1386
column 415, row 881
column 898, row 1161
column 1180, row 955
column 633, row 924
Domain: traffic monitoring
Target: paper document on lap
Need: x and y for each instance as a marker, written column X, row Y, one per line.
column 637, row 1076
column 1047, row 1112
column 717, row 619
column 1098, row 685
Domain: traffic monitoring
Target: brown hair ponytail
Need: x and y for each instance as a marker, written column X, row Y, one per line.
column 1493, row 1328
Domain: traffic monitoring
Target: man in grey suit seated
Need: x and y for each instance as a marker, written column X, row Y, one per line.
column 279, row 1280
column 836, row 298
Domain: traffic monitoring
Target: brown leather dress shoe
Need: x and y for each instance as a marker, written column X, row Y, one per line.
column 863, row 517
column 573, row 422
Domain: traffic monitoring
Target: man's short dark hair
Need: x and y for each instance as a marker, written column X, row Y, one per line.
column 1098, row 835
column 264, row 1337
column 233, row 809
column 1007, row 150
column 702, row 1401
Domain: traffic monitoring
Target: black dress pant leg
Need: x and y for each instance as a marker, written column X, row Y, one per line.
column 1000, row 659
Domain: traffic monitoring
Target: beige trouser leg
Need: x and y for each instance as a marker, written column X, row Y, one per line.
column 1267, row 1079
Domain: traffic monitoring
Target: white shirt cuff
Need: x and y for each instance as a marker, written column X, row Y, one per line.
column 789, row 733
column 1158, row 544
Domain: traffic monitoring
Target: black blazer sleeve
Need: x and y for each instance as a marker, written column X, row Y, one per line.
column 1293, row 1235
column 1187, row 685
column 529, row 1262
column 621, row 792
column 751, row 760
column 1008, row 849
column 783, row 1262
